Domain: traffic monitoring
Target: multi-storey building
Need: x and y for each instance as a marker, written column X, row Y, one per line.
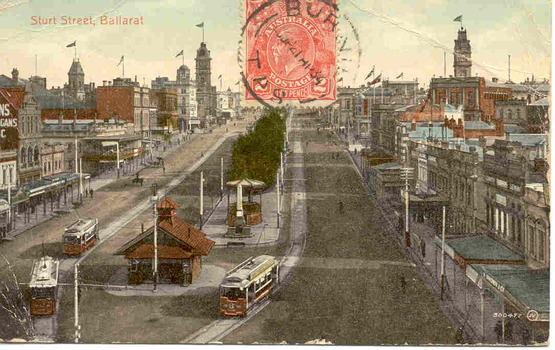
column 75, row 88
column 516, row 195
column 125, row 100
column 185, row 88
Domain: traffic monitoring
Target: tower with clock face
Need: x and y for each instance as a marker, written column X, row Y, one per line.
column 462, row 57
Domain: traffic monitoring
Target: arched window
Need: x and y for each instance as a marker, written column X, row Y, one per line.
column 30, row 154
column 23, row 156
column 36, row 153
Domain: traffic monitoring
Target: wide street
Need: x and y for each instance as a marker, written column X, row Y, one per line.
column 353, row 285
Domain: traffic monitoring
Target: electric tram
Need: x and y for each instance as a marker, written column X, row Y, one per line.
column 247, row 284
column 44, row 285
column 80, row 236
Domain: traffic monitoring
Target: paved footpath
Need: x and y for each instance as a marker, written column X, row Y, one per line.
column 263, row 234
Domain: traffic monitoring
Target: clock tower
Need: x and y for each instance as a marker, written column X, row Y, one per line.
column 462, row 62
column 204, row 81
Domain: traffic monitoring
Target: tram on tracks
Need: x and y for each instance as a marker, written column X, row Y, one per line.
column 80, row 236
column 44, row 286
column 247, row 284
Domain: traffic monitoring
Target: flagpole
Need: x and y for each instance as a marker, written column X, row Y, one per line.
column 123, row 67
column 202, row 31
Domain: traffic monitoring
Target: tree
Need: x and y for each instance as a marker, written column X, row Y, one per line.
column 257, row 154
column 14, row 313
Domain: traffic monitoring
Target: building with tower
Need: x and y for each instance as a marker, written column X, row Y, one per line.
column 186, row 97
column 462, row 57
column 476, row 95
column 207, row 98
column 76, row 88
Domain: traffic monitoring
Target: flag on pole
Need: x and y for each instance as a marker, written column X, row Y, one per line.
column 237, row 83
column 179, row 54
column 399, row 76
column 200, row 25
column 371, row 73
column 120, row 61
column 72, row 44
column 220, row 76
column 340, row 80
column 458, row 19
column 377, row 80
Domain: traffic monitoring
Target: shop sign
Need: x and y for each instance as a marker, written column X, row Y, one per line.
column 500, row 199
column 494, row 283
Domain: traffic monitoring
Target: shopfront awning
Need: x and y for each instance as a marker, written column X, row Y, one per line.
column 479, row 249
column 524, row 288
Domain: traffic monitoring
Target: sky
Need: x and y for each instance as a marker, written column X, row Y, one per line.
column 395, row 36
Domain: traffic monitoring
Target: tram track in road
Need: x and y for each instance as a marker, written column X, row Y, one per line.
column 219, row 329
column 67, row 265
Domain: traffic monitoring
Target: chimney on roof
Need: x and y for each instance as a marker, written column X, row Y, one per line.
column 495, row 80
column 15, row 76
column 103, row 82
column 166, row 212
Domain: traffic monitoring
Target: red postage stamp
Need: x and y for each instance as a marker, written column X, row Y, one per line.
column 290, row 51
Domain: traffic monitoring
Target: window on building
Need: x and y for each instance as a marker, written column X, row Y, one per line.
column 4, row 176
column 459, row 98
column 532, row 245
column 471, row 99
column 541, row 245
column 37, row 153
column 29, row 155
column 23, row 156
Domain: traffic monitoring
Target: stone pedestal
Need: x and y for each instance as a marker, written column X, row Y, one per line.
column 240, row 230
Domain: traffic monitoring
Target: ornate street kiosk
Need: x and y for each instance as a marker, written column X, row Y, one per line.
column 241, row 216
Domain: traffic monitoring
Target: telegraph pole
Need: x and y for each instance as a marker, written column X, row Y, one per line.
column 278, row 201
column 76, row 300
column 201, row 198
column 443, row 255
column 155, row 212
column 221, row 178
column 407, row 172
column 10, row 201
column 81, row 180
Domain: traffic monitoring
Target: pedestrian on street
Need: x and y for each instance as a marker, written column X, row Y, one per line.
column 498, row 329
column 341, row 208
column 423, row 246
column 91, row 191
column 86, row 193
column 164, row 170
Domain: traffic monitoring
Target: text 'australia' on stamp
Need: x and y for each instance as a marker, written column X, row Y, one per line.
column 289, row 51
